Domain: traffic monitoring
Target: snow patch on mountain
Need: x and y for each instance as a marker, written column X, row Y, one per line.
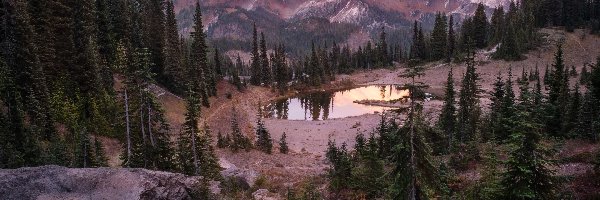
column 354, row 12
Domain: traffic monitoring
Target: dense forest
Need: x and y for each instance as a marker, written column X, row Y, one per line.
column 75, row 72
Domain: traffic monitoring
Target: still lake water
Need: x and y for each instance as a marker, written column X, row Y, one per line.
column 334, row 104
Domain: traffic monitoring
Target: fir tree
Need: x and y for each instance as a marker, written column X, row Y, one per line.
column 557, row 95
column 480, row 27
column 265, row 68
column 238, row 140
column 413, row 171
column 469, row 110
column 264, row 141
column 283, row 146
column 255, row 65
column 200, row 75
column 439, row 37
column 451, row 40
column 528, row 174
column 448, row 114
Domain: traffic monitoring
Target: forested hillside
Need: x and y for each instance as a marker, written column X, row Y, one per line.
column 81, row 80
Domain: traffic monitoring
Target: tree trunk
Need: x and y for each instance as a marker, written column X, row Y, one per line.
column 128, row 129
column 194, row 152
column 412, row 144
column 142, row 128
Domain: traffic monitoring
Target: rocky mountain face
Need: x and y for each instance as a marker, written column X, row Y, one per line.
column 229, row 22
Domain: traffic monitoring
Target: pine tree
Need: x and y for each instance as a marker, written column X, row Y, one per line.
column 507, row 110
column 264, row 141
column 451, row 40
column 209, row 163
column 413, row 171
column 238, row 141
column 572, row 115
column 191, row 131
column 265, row 68
column 448, row 114
column 528, row 174
column 469, row 110
column 439, row 37
column 497, row 25
column 557, row 96
column 480, row 27
column 283, row 146
column 199, row 72
column 255, row 66
column 173, row 71
column 495, row 115
column 382, row 49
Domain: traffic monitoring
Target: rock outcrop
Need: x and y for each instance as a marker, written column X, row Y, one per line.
column 54, row 182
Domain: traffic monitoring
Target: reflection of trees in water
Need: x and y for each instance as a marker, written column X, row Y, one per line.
column 277, row 109
column 317, row 103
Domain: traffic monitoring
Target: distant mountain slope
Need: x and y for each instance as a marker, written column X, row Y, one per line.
column 229, row 22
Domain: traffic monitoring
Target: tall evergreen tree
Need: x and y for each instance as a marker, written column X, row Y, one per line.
column 264, row 141
column 469, row 110
column 557, row 96
column 255, row 66
column 480, row 27
column 439, row 37
column 199, row 72
column 448, row 114
column 451, row 40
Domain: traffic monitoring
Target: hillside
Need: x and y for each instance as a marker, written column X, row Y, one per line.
column 229, row 23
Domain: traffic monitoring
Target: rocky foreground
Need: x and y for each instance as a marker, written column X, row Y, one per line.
column 54, row 182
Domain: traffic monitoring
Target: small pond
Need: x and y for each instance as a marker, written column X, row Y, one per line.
column 335, row 104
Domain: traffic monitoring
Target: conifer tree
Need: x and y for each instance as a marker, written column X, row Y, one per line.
column 448, row 114
column 173, row 71
column 572, row 115
column 413, row 171
column 439, row 37
column 495, row 115
column 480, row 27
column 238, row 141
column 283, row 146
column 528, row 174
column 469, row 110
column 451, row 40
column 265, row 68
column 264, row 141
column 255, row 65
column 200, row 73
column 191, row 131
column 557, row 95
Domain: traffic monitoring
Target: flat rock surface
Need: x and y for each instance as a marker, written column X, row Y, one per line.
column 54, row 182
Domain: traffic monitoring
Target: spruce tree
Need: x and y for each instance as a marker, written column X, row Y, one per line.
column 495, row 115
column 528, row 174
column 451, row 40
column 265, row 68
column 255, row 65
column 413, row 171
column 439, row 37
column 283, row 146
column 468, row 104
column 448, row 114
column 480, row 27
column 200, row 75
column 238, row 141
column 173, row 71
column 557, row 96
column 264, row 141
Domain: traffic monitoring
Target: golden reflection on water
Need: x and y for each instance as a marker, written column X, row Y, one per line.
column 331, row 105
